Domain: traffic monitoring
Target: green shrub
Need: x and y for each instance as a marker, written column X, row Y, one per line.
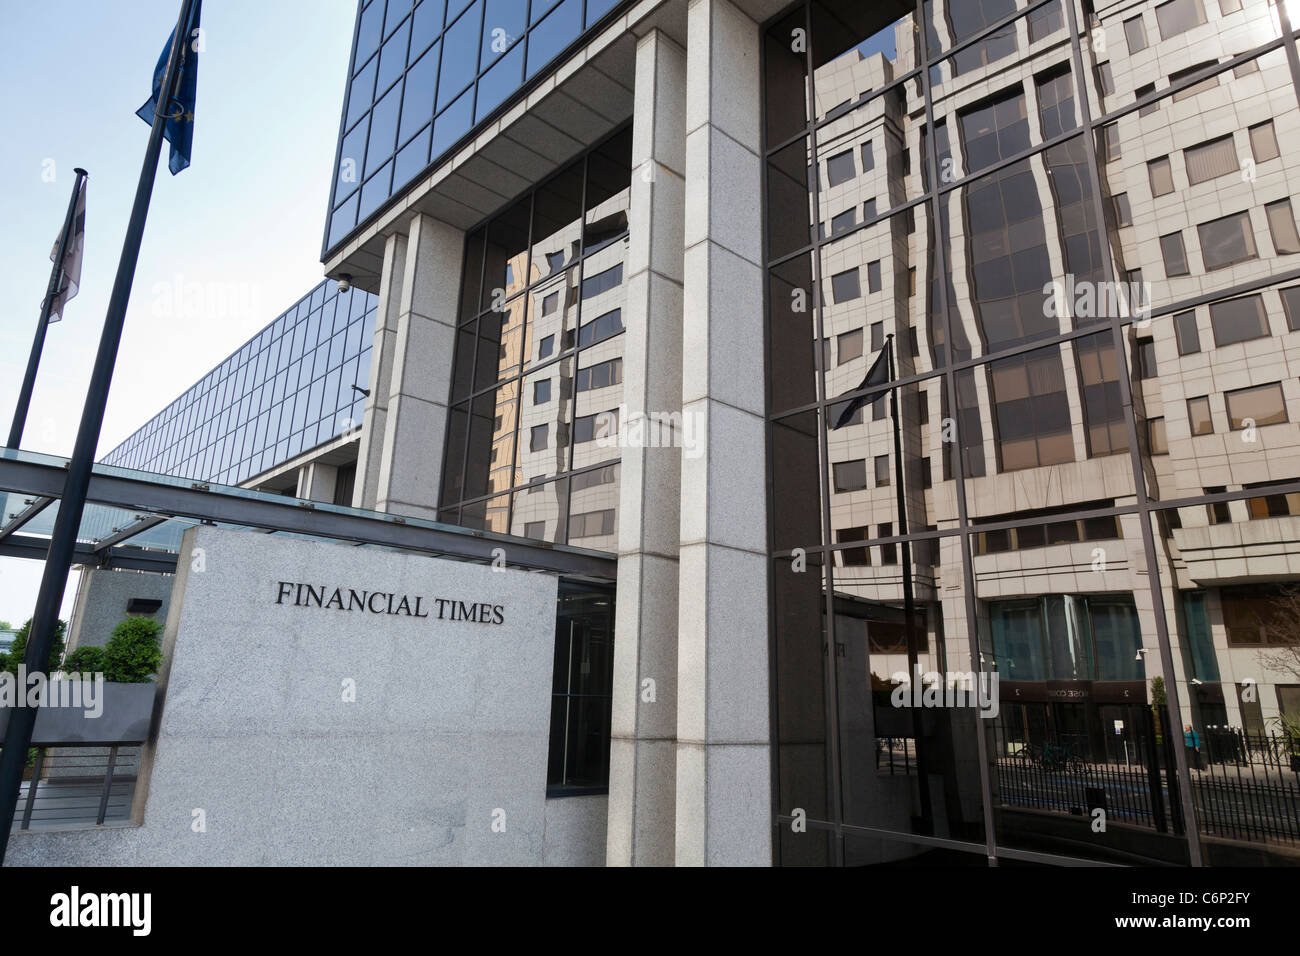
column 18, row 650
column 134, row 652
column 84, row 660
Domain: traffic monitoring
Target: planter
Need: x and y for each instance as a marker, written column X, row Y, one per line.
column 127, row 710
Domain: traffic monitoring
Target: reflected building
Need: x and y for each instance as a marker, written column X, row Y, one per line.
column 1068, row 227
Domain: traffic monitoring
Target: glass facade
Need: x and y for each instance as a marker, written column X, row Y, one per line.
column 537, row 379
column 1071, row 229
column 284, row 391
column 424, row 75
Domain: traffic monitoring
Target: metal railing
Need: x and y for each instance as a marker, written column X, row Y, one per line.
column 72, row 787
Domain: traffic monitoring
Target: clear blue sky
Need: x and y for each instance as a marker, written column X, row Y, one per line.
column 239, row 232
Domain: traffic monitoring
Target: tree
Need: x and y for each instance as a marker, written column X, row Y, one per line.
column 134, row 651
column 85, row 660
column 1280, row 626
column 19, row 648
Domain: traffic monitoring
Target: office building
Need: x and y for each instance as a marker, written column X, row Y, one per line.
column 618, row 274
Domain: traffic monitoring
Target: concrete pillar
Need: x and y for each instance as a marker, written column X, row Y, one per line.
column 724, row 787
column 400, row 464
column 644, row 725
column 317, row 481
column 410, row 473
column 370, row 454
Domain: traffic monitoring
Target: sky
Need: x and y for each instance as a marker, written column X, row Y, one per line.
column 238, row 233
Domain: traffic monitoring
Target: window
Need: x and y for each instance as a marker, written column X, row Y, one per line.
column 1281, row 224
column 1210, row 160
column 1103, row 412
column 592, row 524
column 1227, row 241
column 877, row 336
column 1105, row 79
column 601, row 375
column 1161, row 176
column 1171, row 247
column 850, row 346
column 1123, row 211
column 1238, row 320
column 1045, row 21
column 927, row 478
column 840, row 169
column 850, row 475
column 868, row 156
column 535, row 529
column 995, row 129
column 873, row 276
column 1247, row 68
column 1229, row 6
column 1209, row 83
column 1064, row 531
column 1258, row 614
column 582, row 690
column 539, row 439
column 845, row 220
column 1156, row 439
column 888, row 552
column 1145, row 349
column 1198, row 416
column 1189, row 340
column 1178, row 16
column 545, row 347
column 1271, row 505
column 1135, row 34
column 1218, row 510
column 868, row 210
column 1291, row 306
column 882, row 470
column 550, row 303
column 853, row 557
column 597, row 476
column 1263, row 142
column 594, row 285
column 1260, row 405
column 1146, row 89
column 1110, row 142
column 601, row 425
column 844, row 286
column 542, row 391
column 601, row 328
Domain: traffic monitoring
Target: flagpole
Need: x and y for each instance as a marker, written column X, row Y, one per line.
column 909, row 604
column 63, row 540
column 38, row 341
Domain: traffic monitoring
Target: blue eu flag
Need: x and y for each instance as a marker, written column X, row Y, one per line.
column 179, row 128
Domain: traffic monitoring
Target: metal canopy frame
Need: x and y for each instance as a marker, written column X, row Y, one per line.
column 155, row 499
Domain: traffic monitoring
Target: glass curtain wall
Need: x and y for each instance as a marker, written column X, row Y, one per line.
column 537, row 382
column 289, row 388
column 1036, row 600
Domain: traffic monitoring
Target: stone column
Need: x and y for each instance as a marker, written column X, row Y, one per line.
column 644, row 724
column 370, row 453
column 317, row 481
column 400, row 467
column 724, row 787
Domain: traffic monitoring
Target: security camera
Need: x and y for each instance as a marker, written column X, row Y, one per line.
column 345, row 281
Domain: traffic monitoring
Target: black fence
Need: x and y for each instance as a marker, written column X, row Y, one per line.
column 69, row 787
column 1244, row 787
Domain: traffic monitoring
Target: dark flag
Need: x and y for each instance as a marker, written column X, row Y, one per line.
column 75, row 246
column 179, row 130
column 878, row 374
